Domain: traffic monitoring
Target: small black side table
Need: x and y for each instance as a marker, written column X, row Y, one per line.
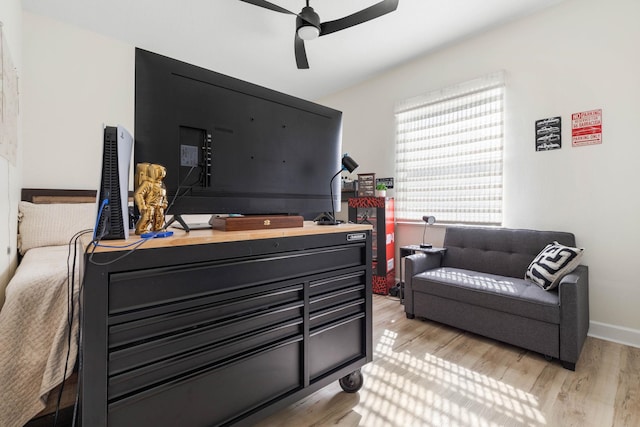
column 410, row 250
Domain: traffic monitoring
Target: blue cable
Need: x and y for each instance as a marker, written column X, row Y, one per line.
column 104, row 203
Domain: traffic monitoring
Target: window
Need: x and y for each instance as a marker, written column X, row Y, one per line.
column 449, row 153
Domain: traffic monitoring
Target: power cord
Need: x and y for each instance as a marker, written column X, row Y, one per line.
column 71, row 280
column 135, row 245
column 175, row 196
column 96, row 239
column 80, row 357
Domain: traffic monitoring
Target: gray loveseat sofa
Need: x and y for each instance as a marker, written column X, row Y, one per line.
column 478, row 285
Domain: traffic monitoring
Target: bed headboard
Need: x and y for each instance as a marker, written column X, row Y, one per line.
column 48, row 195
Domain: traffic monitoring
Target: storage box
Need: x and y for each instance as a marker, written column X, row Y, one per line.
column 257, row 222
column 382, row 284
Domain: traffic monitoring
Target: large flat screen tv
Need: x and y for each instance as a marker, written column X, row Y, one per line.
column 233, row 147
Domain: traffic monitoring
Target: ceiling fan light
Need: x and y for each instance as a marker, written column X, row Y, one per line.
column 308, row 32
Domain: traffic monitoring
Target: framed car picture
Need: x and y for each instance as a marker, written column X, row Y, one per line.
column 548, row 134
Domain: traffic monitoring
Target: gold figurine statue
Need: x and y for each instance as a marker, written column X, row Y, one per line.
column 150, row 196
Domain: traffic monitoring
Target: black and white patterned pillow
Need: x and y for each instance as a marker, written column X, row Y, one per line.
column 552, row 263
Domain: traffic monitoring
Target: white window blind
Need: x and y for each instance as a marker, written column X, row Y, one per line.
column 449, row 153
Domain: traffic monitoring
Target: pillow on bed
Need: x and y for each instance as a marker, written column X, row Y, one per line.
column 52, row 224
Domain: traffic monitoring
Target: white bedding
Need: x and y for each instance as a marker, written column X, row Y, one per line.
column 34, row 333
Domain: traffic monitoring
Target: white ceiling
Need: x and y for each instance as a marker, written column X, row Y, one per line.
column 256, row 44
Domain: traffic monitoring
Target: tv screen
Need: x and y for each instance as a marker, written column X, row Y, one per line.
column 233, row 147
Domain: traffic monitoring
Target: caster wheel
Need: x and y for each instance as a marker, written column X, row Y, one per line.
column 352, row 383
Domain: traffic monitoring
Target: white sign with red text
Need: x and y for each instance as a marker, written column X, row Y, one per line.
column 586, row 128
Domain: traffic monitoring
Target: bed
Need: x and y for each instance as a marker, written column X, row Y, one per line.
column 35, row 324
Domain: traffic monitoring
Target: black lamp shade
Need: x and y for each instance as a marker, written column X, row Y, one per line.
column 348, row 163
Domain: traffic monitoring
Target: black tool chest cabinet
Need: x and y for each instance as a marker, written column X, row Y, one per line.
column 203, row 331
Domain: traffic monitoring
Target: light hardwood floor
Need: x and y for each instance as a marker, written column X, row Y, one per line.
column 428, row 374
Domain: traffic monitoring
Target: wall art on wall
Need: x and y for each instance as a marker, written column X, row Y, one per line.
column 586, row 128
column 388, row 182
column 8, row 103
column 548, row 134
column 366, row 184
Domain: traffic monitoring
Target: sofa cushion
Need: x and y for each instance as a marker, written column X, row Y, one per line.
column 552, row 263
column 507, row 294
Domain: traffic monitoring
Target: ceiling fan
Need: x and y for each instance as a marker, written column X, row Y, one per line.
column 309, row 27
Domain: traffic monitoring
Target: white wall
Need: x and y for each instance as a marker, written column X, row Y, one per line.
column 10, row 175
column 74, row 82
column 577, row 56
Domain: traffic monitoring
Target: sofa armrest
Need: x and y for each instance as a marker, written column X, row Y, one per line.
column 574, row 314
column 416, row 264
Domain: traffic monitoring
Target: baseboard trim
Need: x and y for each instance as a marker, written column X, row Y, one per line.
column 618, row 334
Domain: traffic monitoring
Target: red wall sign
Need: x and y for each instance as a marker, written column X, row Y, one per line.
column 586, row 128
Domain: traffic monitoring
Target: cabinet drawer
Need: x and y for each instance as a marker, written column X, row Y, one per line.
column 334, row 314
column 167, row 346
column 337, row 298
column 147, row 324
column 157, row 286
column 331, row 284
column 336, row 345
column 201, row 359
column 216, row 396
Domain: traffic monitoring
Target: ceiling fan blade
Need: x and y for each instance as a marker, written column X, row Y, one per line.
column 301, row 54
column 372, row 12
column 268, row 5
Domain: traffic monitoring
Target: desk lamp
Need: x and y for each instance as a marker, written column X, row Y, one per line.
column 348, row 164
column 428, row 220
